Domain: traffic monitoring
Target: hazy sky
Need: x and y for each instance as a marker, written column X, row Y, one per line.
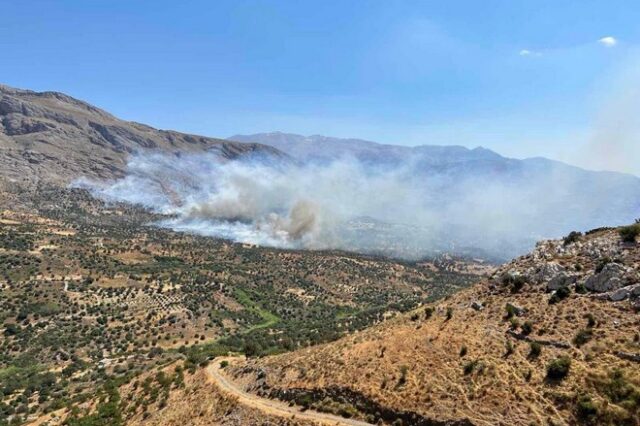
column 526, row 78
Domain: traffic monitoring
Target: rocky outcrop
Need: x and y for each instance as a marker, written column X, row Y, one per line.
column 560, row 280
column 612, row 277
column 547, row 272
column 628, row 292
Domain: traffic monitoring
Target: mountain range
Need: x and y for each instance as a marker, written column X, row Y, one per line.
column 52, row 137
column 549, row 198
column 474, row 200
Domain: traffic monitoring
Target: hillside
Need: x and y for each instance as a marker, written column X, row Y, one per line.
column 552, row 337
column 52, row 137
column 91, row 296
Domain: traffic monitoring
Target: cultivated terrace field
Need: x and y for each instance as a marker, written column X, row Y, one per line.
column 95, row 300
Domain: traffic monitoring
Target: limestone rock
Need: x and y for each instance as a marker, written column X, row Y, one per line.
column 612, row 277
column 561, row 280
column 547, row 272
column 478, row 306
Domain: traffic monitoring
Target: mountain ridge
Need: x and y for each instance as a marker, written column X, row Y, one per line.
column 52, row 137
column 273, row 138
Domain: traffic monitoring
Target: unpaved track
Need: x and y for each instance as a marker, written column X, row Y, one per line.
column 270, row 406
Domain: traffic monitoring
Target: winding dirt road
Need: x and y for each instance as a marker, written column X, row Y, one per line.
column 270, row 406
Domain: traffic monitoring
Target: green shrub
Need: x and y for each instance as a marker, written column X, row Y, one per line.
column 509, row 348
column 560, row 294
column 581, row 289
column 586, row 409
column 535, row 349
column 403, row 375
column 629, row 233
column 224, row 364
column 583, row 337
column 515, row 281
column 558, row 368
column 428, row 312
column 591, row 321
column 463, row 351
column 621, row 391
column 527, row 328
column 571, row 238
column 602, row 263
column 469, row 367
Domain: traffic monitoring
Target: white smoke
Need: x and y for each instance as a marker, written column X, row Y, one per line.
column 346, row 204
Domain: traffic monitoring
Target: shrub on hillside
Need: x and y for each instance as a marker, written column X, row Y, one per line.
column 583, row 337
column 463, row 351
column 629, row 233
column 469, row 367
column 515, row 281
column 559, row 295
column 571, row 238
column 558, row 368
column 428, row 312
column 535, row 349
column 586, row 409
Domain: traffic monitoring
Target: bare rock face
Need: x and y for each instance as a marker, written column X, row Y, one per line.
column 612, row 277
column 561, row 280
column 547, row 272
column 54, row 138
column 631, row 291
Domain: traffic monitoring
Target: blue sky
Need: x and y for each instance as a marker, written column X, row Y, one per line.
column 525, row 78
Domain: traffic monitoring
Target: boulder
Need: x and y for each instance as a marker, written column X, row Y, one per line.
column 547, row 272
column 631, row 291
column 478, row 306
column 561, row 280
column 612, row 277
column 620, row 294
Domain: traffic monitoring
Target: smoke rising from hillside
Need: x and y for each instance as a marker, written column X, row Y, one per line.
column 345, row 204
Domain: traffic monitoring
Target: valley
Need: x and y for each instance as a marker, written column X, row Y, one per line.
column 117, row 308
column 91, row 294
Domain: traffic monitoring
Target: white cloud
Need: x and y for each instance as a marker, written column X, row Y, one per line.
column 608, row 41
column 527, row 52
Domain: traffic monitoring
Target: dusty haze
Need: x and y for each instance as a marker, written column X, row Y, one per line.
column 396, row 210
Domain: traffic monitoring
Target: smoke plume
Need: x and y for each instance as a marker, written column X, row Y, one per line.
column 401, row 210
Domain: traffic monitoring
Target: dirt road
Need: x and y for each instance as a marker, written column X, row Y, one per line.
column 269, row 406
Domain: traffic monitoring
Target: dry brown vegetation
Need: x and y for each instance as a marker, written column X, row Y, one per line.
column 415, row 365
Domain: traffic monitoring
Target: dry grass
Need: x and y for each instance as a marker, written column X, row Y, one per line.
column 504, row 387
